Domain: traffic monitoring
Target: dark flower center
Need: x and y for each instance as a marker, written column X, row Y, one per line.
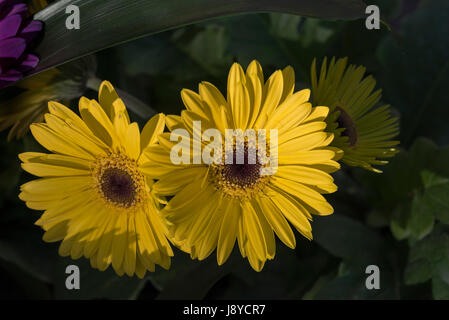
column 118, row 186
column 345, row 121
column 241, row 178
column 243, row 174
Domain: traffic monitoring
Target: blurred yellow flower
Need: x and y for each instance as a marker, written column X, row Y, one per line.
column 37, row 5
column 58, row 84
column 28, row 107
column 363, row 131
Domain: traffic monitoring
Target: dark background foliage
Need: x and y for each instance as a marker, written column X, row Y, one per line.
column 397, row 220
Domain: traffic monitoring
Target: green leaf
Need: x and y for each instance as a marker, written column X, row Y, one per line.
column 349, row 239
column 207, row 46
column 285, row 26
column 440, row 289
column 156, row 76
column 422, row 217
column 413, row 78
column 314, row 31
column 430, row 179
column 250, row 39
column 123, row 21
column 412, row 189
column 400, row 219
column 434, row 248
column 161, row 57
column 359, row 247
column 402, row 176
column 399, row 232
column 436, row 201
column 296, row 40
column 418, row 271
column 429, row 258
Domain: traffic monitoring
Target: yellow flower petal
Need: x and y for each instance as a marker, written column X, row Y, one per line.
column 211, row 95
column 277, row 221
column 288, row 75
column 153, row 128
column 254, row 230
column 133, row 141
column 228, row 231
column 272, row 93
column 54, row 142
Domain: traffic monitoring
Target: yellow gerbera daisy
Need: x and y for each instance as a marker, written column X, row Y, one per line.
column 95, row 198
column 362, row 131
column 215, row 204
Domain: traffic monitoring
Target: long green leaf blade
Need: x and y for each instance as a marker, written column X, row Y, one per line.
column 107, row 23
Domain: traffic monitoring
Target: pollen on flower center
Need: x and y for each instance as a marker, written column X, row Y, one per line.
column 239, row 179
column 118, row 186
column 243, row 175
column 119, row 182
column 345, row 121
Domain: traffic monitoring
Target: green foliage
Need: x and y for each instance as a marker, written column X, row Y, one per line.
column 435, row 200
column 207, row 47
column 421, row 217
column 358, row 247
column 136, row 18
column 412, row 190
column 357, row 244
column 421, row 49
column 413, row 194
column 429, row 259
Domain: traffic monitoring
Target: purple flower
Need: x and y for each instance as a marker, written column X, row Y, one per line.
column 17, row 30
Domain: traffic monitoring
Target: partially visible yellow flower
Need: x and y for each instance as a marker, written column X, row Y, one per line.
column 214, row 205
column 37, row 5
column 363, row 131
column 60, row 84
column 96, row 200
column 29, row 106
